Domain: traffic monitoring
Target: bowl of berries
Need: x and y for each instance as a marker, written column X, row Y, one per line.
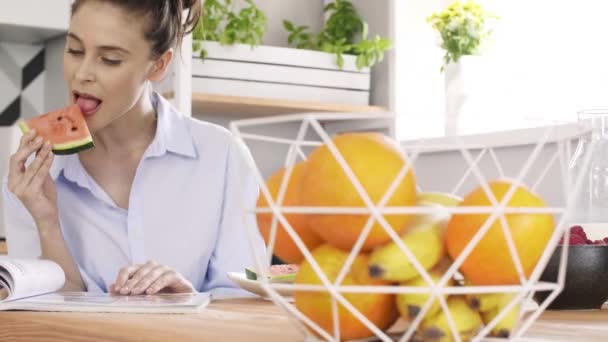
column 586, row 285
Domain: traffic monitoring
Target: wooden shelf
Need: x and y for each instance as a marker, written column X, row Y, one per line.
column 241, row 107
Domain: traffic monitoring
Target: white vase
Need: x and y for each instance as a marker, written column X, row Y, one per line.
column 462, row 82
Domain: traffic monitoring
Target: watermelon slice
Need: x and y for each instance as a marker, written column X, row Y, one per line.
column 276, row 273
column 65, row 128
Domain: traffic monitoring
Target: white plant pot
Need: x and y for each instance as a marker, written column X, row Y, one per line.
column 463, row 85
column 279, row 73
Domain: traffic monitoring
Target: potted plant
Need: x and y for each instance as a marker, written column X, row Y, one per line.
column 221, row 23
column 231, row 59
column 344, row 33
column 464, row 29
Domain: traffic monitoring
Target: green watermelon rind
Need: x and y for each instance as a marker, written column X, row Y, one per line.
column 66, row 148
column 252, row 275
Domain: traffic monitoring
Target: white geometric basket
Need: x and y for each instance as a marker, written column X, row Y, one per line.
column 248, row 132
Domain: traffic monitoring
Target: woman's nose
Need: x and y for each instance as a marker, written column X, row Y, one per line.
column 86, row 71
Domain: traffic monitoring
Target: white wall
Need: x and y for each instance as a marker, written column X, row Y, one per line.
column 379, row 15
column 441, row 171
column 56, row 94
column 418, row 103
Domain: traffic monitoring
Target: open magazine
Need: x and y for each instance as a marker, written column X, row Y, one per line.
column 32, row 284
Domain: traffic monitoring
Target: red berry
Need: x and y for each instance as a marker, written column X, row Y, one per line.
column 589, row 242
column 578, row 230
column 599, row 242
column 577, row 240
column 606, row 240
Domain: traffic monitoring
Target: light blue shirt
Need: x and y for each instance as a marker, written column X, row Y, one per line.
column 189, row 208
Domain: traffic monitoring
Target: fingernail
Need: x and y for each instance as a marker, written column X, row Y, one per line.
column 38, row 139
column 148, row 291
column 47, row 144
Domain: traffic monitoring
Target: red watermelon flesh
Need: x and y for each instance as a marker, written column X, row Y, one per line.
column 65, row 128
column 276, row 273
column 283, row 269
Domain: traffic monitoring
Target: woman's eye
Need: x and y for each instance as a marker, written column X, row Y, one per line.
column 75, row 52
column 110, row 61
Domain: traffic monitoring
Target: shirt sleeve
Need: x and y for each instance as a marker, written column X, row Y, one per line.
column 22, row 236
column 238, row 237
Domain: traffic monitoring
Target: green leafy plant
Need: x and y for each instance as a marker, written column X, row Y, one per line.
column 220, row 22
column 463, row 29
column 344, row 32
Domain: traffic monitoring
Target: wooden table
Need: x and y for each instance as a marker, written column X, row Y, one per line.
column 236, row 320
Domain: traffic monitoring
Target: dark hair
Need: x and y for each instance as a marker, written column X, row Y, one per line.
column 166, row 25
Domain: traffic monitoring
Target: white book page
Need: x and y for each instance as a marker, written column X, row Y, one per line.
column 31, row 277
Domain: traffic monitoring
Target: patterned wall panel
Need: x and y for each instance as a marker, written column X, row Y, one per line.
column 22, row 95
column 21, row 82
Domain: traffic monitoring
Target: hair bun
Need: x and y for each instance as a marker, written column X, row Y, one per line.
column 188, row 4
column 194, row 8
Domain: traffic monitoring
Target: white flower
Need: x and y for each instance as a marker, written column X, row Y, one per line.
column 452, row 25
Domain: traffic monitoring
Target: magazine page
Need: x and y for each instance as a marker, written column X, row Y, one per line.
column 21, row 278
column 105, row 302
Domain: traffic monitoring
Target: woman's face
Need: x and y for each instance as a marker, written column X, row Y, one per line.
column 106, row 62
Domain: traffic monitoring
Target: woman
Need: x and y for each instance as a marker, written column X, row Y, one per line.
column 157, row 204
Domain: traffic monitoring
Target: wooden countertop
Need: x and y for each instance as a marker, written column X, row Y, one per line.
column 237, row 320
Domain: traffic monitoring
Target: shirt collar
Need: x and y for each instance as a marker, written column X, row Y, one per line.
column 172, row 132
column 172, row 135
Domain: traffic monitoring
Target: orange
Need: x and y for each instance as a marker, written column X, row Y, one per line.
column 376, row 161
column 490, row 262
column 284, row 246
column 380, row 309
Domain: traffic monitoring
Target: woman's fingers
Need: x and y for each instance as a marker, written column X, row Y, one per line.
column 145, row 281
column 17, row 160
column 148, row 279
column 168, row 279
column 27, row 138
column 34, row 168
column 123, row 275
column 43, row 172
column 137, row 276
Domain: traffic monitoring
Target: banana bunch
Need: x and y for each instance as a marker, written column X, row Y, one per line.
column 492, row 304
column 410, row 304
column 425, row 239
column 467, row 321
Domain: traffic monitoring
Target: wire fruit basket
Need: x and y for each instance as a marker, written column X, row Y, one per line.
column 328, row 308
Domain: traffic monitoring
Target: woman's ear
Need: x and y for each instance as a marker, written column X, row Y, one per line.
column 159, row 68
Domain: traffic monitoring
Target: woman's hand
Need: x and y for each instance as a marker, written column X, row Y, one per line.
column 33, row 185
column 149, row 279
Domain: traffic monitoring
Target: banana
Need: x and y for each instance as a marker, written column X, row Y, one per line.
column 424, row 239
column 467, row 321
column 504, row 327
column 443, row 198
column 410, row 304
column 483, row 302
